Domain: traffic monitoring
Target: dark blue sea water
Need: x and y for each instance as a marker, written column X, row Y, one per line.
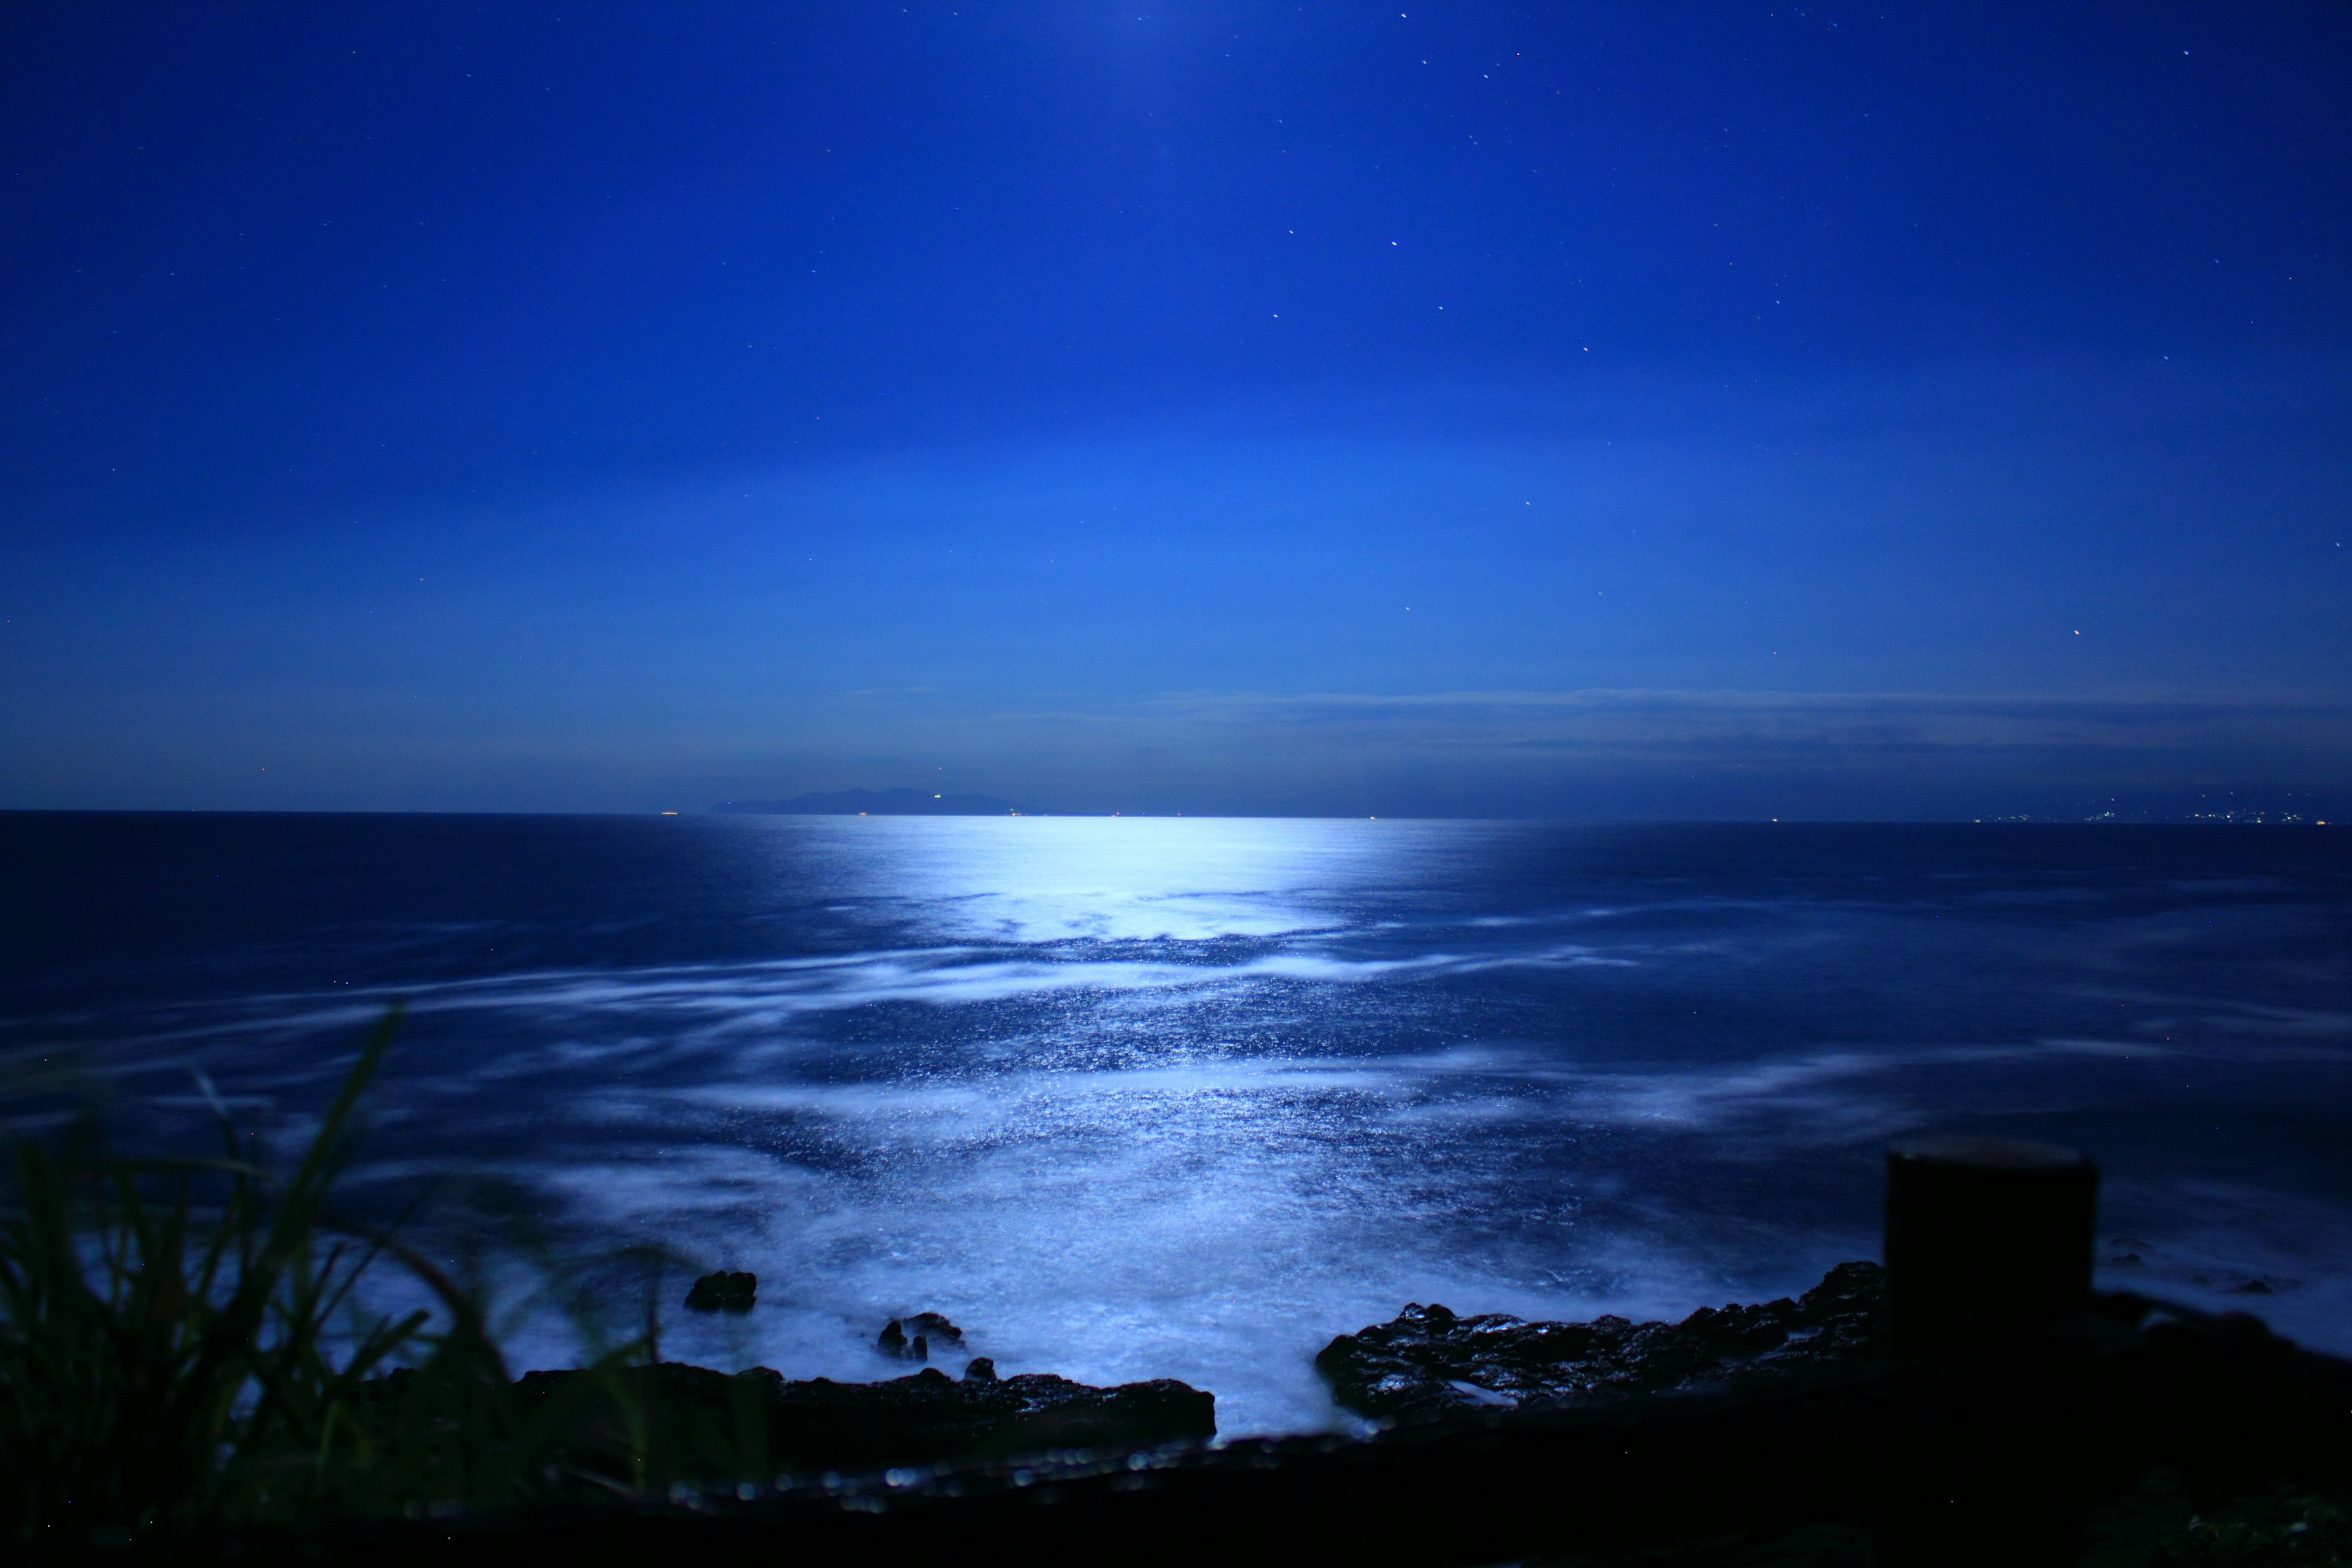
column 1132, row 1098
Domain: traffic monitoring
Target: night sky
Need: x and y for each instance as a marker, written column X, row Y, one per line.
column 1585, row 410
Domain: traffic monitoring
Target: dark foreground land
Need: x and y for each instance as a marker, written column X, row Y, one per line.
column 1782, row 1433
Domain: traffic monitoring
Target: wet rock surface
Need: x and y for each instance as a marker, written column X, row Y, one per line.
column 818, row 1425
column 1426, row 1362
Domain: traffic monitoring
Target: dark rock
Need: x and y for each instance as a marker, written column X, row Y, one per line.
column 1427, row 1362
column 934, row 1327
column 979, row 1368
column 723, row 1292
column 820, row 1424
column 925, row 1328
column 2251, row 1287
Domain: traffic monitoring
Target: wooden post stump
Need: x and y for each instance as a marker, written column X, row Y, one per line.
column 1986, row 1238
column 1988, row 1241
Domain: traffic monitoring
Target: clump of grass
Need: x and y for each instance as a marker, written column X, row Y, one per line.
column 179, row 1344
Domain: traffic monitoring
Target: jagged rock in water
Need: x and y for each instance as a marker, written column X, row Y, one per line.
column 820, row 1424
column 723, row 1292
column 1427, row 1362
column 979, row 1368
column 924, row 1327
column 934, row 1328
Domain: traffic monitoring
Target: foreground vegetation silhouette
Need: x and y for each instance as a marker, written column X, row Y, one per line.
column 181, row 1344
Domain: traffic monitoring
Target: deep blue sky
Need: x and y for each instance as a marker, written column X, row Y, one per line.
column 1728, row 410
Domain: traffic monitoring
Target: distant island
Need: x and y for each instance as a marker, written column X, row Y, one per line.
column 873, row 802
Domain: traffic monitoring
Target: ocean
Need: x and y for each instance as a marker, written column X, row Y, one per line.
column 1136, row 1098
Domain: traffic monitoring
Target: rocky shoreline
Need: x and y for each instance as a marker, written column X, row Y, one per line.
column 718, row 1422
column 720, row 1426
column 1428, row 1363
column 1779, row 1433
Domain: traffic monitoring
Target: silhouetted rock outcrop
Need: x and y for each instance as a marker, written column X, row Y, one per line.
column 935, row 1328
column 723, row 1292
column 819, row 1425
column 1426, row 1362
column 926, row 1329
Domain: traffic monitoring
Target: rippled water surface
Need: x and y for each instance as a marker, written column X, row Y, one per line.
column 1183, row 1098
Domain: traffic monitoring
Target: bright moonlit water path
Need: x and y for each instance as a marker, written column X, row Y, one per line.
column 1134, row 1097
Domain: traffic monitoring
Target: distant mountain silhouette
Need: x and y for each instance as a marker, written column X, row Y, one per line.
column 873, row 802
